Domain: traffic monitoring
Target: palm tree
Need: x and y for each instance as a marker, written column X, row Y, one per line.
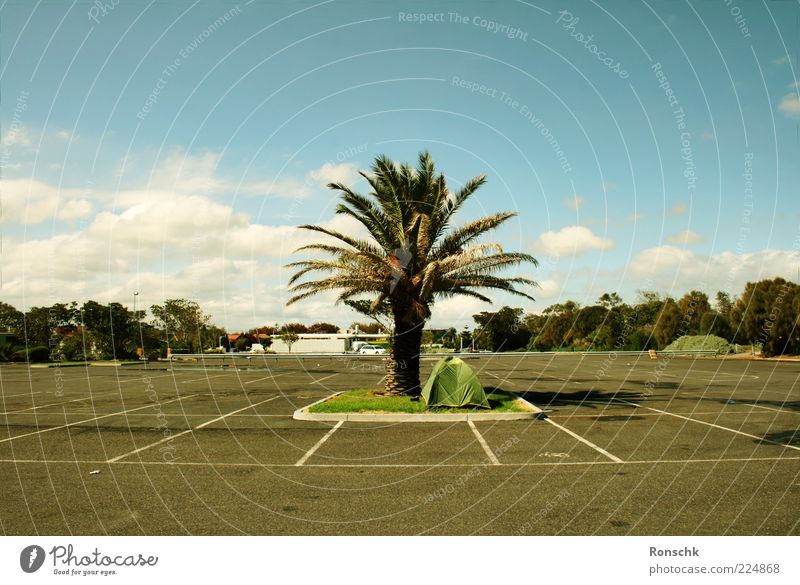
column 412, row 257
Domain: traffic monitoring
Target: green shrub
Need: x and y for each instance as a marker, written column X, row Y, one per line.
column 76, row 348
column 37, row 354
column 694, row 342
column 6, row 352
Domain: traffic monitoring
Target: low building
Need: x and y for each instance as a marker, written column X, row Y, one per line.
column 324, row 342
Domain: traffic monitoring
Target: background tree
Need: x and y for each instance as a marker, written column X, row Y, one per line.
column 182, row 323
column 79, row 346
column 557, row 330
column 464, row 340
column 714, row 323
column 412, row 257
column 289, row 338
column 113, row 328
column 609, row 301
column 724, row 304
column 501, row 331
column 370, row 328
column 693, row 305
column 668, row 326
column 323, row 328
column 768, row 313
column 11, row 320
column 380, row 313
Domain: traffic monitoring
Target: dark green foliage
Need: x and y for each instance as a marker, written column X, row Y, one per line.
column 6, row 352
column 37, row 354
column 78, row 347
column 768, row 313
column 243, row 344
column 501, row 331
column 714, row 323
column 11, row 320
column 183, row 325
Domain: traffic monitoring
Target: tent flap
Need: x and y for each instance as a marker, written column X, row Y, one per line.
column 453, row 383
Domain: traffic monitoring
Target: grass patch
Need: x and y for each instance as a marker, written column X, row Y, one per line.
column 369, row 401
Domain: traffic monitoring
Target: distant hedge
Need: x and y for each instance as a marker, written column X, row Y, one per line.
column 39, row 354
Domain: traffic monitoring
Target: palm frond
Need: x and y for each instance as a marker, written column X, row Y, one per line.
column 460, row 237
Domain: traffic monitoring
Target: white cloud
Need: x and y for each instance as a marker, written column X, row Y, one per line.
column 27, row 201
column 685, row 237
column 680, row 208
column 185, row 173
column 634, row 217
column 790, row 105
column 17, row 135
column 784, row 60
column 570, row 241
column 678, row 269
column 548, row 289
column 574, row 202
column 335, row 173
column 63, row 135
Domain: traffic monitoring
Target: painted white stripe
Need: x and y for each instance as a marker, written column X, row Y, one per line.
column 180, row 414
column 319, row 444
column 91, row 419
column 267, row 378
column 708, row 424
column 21, row 394
column 398, row 465
column 43, row 406
column 775, row 409
column 489, row 453
column 202, row 379
column 142, row 378
column 187, row 431
column 325, row 378
column 585, row 442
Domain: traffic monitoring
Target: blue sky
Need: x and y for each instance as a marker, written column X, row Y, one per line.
column 170, row 147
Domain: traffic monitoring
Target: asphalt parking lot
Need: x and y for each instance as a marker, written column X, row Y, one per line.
column 627, row 445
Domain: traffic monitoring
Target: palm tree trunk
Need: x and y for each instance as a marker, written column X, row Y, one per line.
column 402, row 365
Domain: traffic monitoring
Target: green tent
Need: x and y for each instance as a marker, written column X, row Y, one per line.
column 453, row 383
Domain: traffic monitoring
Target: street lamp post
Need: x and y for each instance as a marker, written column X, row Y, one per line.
column 136, row 316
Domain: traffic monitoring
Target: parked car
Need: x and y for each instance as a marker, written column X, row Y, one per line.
column 368, row 349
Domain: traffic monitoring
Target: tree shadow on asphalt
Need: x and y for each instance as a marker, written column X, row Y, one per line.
column 781, row 438
column 586, row 398
column 793, row 405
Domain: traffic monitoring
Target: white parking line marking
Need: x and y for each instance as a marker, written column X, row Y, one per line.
column 325, row 378
column 43, row 406
column 319, row 444
column 585, row 442
column 708, row 424
column 775, row 409
column 92, row 419
column 187, row 431
column 489, row 453
column 143, row 377
column 201, row 379
column 399, row 465
column 268, row 378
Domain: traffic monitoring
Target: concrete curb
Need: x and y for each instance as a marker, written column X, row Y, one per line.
column 303, row 414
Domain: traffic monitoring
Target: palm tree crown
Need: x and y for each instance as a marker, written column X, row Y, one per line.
column 413, row 254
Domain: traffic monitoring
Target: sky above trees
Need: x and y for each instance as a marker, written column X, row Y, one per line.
column 171, row 148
